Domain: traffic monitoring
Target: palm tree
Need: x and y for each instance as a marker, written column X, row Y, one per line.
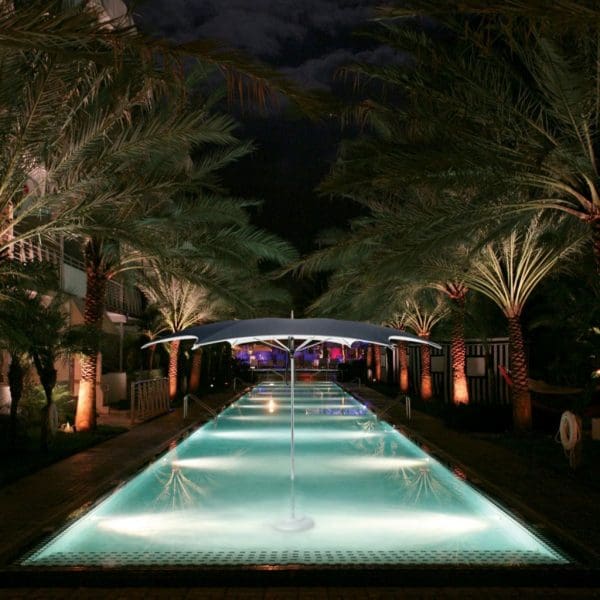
column 180, row 304
column 398, row 321
column 422, row 312
column 456, row 292
column 33, row 327
column 387, row 250
column 507, row 98
column 158, row 202
column 507, row 272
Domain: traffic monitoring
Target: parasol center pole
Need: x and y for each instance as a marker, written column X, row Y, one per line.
column 292, row 410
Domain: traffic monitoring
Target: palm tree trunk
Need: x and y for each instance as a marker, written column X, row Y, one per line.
column 369, row 362
column 151, row 352
column 47, row 374
column 403, row 367
column 96, row 280
column 596, row 242
column 521, row 398
column 426, row 383
column 458, row 354
column 16, row 376
column 195, row 371
column 173, row 359
column 377, row 361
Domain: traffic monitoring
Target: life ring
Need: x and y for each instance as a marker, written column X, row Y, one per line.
column 569, row 430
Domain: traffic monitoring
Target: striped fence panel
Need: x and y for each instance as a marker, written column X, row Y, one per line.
column 486, row 385
column 149, row 398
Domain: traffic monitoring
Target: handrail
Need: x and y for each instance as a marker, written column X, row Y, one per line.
column 380, row 413
column 206, row 407
column 383, row 412
column 236, row 380
column 282, row 375
column 356, row 380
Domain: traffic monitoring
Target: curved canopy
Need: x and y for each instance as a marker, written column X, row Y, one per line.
column 279, row 331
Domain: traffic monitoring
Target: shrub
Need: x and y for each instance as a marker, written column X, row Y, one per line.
column 488, row 418
column 34, row 400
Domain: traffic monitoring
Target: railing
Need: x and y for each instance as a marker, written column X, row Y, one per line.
column 237, row 380
column 149, row 398
column 123, row 299
column 186, row 399
column 407, row 407
column 27, row 250
column 275, row 372
column 126, row 300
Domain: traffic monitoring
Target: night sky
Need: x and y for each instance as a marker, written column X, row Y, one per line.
column 307, row 40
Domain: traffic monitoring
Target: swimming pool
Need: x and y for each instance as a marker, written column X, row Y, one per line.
column 366, row 494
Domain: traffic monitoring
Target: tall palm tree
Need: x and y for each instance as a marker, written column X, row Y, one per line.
column 398, row 321
column 180, row 304
column 159, row 203
column 507, row 98
column 456, row 292
column 422, row 312
column 385, row 251
column 507, row 272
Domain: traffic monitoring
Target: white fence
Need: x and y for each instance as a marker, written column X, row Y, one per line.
column 149, row 398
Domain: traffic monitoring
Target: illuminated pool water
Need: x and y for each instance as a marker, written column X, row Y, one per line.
column 372, row 495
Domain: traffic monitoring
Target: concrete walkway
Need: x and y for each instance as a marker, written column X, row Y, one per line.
column 40, row 503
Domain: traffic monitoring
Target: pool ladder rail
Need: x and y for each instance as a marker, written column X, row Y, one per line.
column 186, row 406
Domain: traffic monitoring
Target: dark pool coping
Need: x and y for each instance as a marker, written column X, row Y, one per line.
column 306, row 575
column 578, row 574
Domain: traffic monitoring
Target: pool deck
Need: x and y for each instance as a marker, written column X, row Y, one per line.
column 36, row 505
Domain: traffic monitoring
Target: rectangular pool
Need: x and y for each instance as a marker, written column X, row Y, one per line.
column 367, row 496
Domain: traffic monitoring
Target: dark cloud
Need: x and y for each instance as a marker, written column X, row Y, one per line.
column 303, row 36
column 320, row 72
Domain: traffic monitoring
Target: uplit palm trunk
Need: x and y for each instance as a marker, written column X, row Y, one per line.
column 377, row 361
column 370, row 362
column 521, row 398
column 426, row 384
column 403, row 367
column 458, row 354
column 173, row 360
column 96, row 280
column 151, row 352
column 195, row 371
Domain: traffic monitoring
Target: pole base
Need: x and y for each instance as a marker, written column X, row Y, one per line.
column 294, row 524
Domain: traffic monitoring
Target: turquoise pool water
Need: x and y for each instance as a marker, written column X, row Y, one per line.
column 369, row 495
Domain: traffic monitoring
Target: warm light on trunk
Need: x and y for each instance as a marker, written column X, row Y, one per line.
column 96, row 279
column 195, row 371
column 426, row 383
column 458, row 354
column 173, row 358
column 377, row 357
column 460, row 390
column 403, row 367
column 85, row 418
